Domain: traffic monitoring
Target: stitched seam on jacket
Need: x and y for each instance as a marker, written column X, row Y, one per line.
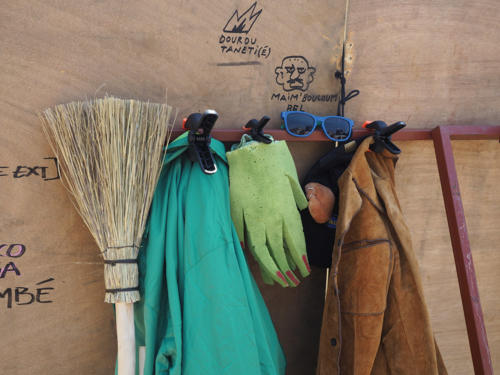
column 389, row 275
column 365, row 194
column 351, row 246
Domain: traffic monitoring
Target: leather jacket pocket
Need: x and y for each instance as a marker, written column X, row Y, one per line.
column 363, row 276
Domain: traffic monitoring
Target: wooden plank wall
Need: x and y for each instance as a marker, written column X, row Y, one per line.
column 428, row 63
column 54, row 52
column 433, row 63
column 420, row 194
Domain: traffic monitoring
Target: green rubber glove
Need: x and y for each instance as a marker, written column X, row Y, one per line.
column 265, row 194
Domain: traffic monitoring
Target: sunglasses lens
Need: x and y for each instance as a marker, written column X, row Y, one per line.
column 299, row 123
column 337, row 128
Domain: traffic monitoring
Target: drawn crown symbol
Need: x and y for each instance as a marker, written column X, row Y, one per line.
column 243, row 23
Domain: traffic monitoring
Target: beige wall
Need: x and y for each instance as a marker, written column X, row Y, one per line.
column 428, row 63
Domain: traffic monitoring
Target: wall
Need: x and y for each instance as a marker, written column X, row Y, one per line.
column 428, row 63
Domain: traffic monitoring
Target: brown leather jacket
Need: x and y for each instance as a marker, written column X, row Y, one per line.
column 375, row 320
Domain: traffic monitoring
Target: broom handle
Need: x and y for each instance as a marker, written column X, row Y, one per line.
column 125, row 333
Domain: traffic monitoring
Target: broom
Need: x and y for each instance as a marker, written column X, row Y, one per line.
column 111, row 151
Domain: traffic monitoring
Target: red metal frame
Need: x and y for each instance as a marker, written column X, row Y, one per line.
column 476, row 330
column 457, row 132
column 466, row 274
column 234, row 135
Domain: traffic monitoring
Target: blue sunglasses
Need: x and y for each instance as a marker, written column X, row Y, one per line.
column 302, row 124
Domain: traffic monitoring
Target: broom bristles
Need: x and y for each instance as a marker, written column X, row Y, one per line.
column 111, row 152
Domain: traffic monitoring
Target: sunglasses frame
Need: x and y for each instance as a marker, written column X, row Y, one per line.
column 317, row 120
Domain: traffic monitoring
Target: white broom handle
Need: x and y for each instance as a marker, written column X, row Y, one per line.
column 142, row 359
column 125, row 333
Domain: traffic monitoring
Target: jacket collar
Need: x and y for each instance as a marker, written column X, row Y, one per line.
column 368, row 169
column 367, row 174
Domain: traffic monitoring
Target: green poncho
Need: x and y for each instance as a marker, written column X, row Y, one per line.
column 201, row 311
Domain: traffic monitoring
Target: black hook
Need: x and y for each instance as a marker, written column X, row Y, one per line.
column 200, row 126
column 382, row 135
column 256, row 129
column 343, row 97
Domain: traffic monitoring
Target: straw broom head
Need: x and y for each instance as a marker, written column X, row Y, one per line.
column 111, row 152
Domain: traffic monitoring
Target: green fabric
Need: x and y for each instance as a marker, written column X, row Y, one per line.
column 246, row 139
column 265, row 194
column 201, row 311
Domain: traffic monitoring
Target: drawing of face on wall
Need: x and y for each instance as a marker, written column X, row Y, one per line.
column 294, row 73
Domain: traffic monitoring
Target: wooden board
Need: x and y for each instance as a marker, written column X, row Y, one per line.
column 420, row 194
column 419, row 190
column 54, row 52
column 60, row 52
column 428, row 63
